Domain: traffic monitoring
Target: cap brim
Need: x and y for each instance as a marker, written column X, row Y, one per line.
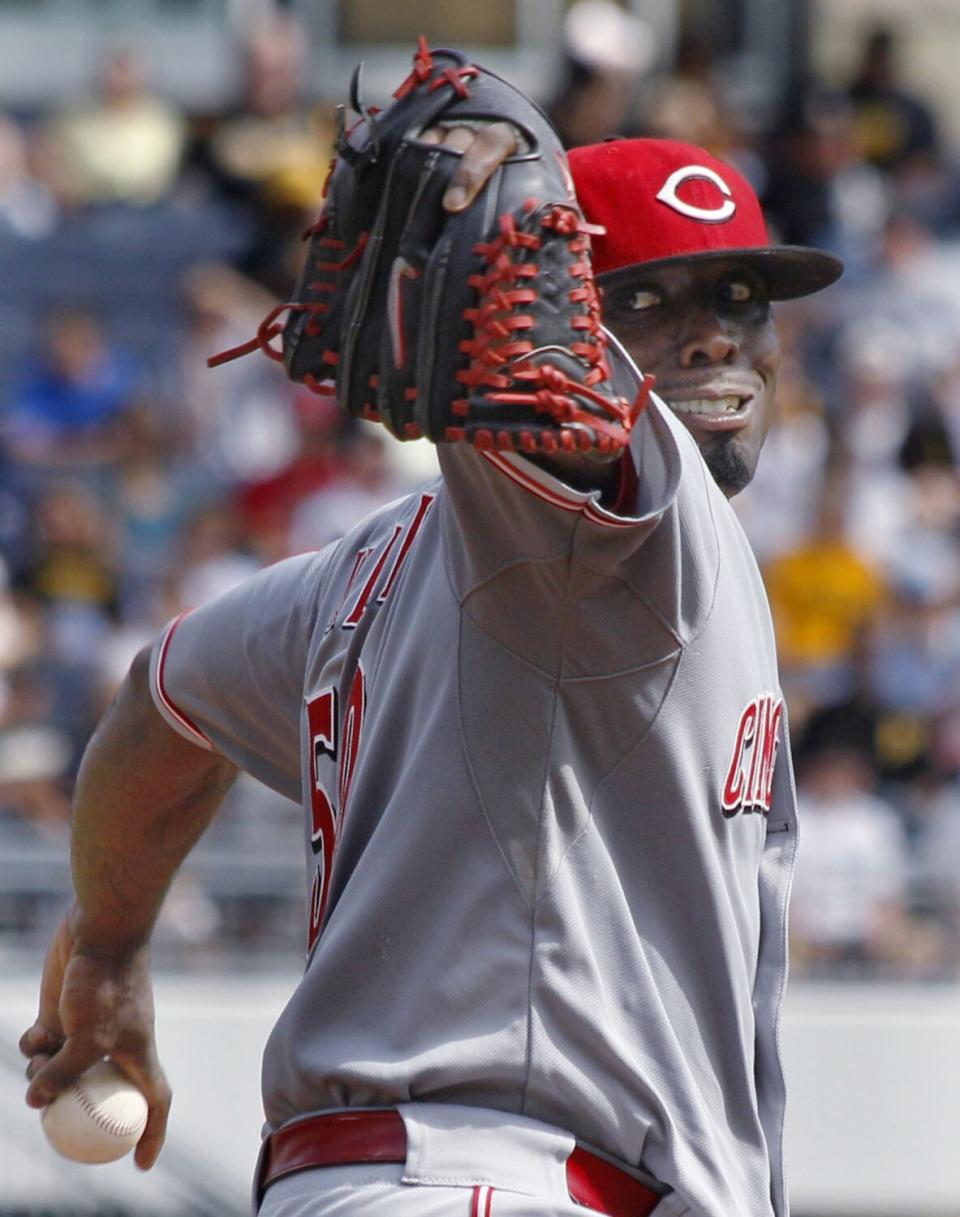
column 789, row 271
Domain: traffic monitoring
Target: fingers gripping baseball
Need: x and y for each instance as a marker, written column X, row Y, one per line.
column 92, row 1006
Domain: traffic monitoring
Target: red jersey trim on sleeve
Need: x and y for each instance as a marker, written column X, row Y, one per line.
column 542, row 484
column 190, row 728
column 626, row 500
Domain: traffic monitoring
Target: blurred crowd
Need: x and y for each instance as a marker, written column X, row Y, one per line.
column 134, row 483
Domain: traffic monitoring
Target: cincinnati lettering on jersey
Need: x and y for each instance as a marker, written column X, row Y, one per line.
column 336, row 726
column 748, row 786
column 361, row 600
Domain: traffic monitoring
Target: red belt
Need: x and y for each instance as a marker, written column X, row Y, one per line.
column 342, row 1138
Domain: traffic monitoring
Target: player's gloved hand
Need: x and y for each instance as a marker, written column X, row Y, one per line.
column 483, row 151
column 447, row 289
column 93, row 1004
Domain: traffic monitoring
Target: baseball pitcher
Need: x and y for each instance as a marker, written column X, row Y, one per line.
column 532, row 712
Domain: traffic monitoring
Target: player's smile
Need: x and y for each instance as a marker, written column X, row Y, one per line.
column 704, row 329
column 714, row 410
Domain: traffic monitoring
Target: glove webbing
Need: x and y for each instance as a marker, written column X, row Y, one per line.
column 497, row 351
column 270, row 327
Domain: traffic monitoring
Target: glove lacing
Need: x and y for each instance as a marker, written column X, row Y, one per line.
column 496, row 349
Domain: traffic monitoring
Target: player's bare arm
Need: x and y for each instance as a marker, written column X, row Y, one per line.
column 143, row 797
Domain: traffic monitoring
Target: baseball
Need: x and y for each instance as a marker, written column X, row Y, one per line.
column 99, row 1119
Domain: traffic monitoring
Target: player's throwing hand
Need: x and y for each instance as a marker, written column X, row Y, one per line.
column 92, row 1005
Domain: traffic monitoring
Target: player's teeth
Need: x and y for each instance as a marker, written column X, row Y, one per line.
column 706, row 405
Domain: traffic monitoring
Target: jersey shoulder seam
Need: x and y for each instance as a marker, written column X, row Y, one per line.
column 677, row 659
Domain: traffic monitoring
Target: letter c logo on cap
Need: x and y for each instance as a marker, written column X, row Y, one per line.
column 715, row 215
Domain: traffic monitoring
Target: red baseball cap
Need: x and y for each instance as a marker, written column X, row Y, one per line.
column 664, row 201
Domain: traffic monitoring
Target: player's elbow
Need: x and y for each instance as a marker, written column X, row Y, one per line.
column 161, row 750
column 132, row 711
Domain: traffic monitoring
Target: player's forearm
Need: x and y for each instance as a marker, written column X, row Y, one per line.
column 143, row 798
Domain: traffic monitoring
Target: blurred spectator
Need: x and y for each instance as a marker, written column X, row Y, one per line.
column 365, row 480
column 871, row 421
column 778, row 508
column 19, row 631
column 268, row 505
column 825, row 598
column 35, row 758
column 72, row 582
column 213, row 557
column 903, row 758
column 849, row 900
column 874, row 417
column 27, row 208
column 938, row 861
column 606, row 50
column 125, row 146
column 945, row 397
column 926, row 565
column 74, row 573
column 915, row 664
column 820, row 191
column 16, row 506
column 154, row 490
column 927, row 186
column 907, row 304
column 63, row 414
column 686, row 103
column 273, row 152
column 893, row 125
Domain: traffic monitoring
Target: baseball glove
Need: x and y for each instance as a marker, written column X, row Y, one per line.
column 481, row 326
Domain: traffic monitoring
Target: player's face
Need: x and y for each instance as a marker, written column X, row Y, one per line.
column 706, row 332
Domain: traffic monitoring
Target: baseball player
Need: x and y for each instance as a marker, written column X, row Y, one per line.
column 534, row 718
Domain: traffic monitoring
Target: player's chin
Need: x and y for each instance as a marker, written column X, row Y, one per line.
column 731, row 459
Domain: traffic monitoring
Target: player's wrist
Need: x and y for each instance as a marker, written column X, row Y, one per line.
column 104, row 938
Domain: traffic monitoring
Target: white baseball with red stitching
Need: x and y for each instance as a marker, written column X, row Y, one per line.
column 99, row 1119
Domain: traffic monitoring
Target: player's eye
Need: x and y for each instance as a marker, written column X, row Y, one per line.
column 637, row 300
column 738, row 291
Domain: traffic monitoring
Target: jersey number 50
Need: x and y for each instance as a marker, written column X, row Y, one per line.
column 334, row 746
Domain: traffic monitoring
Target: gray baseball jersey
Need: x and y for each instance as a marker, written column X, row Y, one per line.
column 550, row 812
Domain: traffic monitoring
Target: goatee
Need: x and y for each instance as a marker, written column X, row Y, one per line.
column 729, row 466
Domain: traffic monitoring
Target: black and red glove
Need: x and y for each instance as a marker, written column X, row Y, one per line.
column 480, row 326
